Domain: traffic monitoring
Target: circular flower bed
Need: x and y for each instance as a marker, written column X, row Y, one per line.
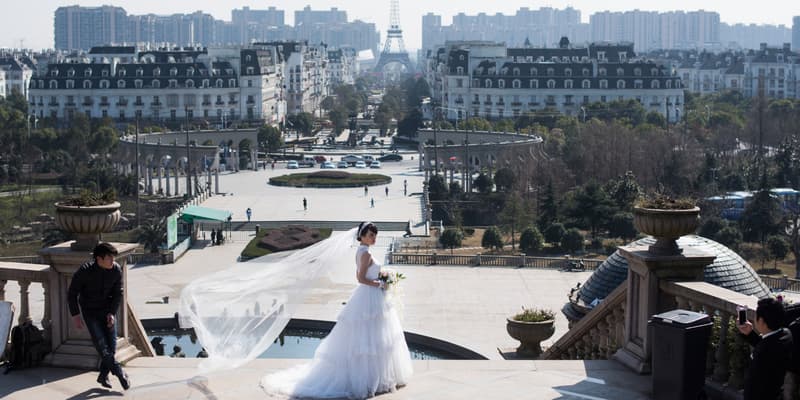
column 330, row 179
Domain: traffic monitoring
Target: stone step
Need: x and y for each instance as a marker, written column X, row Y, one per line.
column 126, row 354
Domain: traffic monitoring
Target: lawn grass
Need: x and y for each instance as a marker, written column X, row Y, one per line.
column 315, row 180
column 252, row 250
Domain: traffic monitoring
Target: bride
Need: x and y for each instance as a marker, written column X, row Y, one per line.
column 365, row 352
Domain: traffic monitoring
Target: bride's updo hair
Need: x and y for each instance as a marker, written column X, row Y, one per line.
column 365, row 227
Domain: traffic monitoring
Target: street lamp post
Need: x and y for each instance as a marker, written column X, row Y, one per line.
column 188, row 160
column 138, row 203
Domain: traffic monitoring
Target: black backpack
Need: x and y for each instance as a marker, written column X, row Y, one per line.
column 792, row 321
column 27, row 346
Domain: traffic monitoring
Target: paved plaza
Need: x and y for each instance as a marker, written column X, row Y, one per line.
column 467, row 306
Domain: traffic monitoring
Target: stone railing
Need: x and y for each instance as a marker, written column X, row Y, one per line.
column 521, row 260
column 598, row 335
column 24, row 274
column 781, row 283
column 728, row 353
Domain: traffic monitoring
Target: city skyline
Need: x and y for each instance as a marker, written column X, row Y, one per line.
column 36, row 31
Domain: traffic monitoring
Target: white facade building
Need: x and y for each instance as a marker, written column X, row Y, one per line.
column 215, row 86
column 18, row 73
column 342, row 66
column 492, row 81
column 305, row 77
column 2, row 83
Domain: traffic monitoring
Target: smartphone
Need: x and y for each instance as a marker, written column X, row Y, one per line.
column 742, row 314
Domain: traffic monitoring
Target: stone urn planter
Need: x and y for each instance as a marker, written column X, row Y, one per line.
column 666, row 226
column 87, row 222
column 531, row 333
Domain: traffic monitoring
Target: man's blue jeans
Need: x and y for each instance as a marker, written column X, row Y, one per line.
column 104, row 339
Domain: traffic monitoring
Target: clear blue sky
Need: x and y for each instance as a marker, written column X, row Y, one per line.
column 32, row 20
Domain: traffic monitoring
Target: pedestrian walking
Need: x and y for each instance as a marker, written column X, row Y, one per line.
column 305, row 204
column 372, row 202
column 405, row 187
column 387, row 191
column 249, row 213
column 366, row 190
column 213, row 237
column 273, row 164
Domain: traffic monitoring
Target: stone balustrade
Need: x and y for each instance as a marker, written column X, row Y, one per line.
column 598, row 335
column 488, row 260
column 24, row 274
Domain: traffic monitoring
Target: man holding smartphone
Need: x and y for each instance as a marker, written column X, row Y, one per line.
column 772, row 351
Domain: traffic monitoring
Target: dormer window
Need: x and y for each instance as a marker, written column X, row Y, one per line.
column 601, row 72
column 190, row 71
column 620, row 84
column 232, row 83
column 157, row 72
column 637, row 72
column 156, row 84
column 219, row 83
column 53, row 84
column 551, row 84
column 71, row 72
column 173, row 71
column 190, row 83
column 104, row 84
column 568, row 72
column 551, row 71
column 87, row 72
column 104, row 72
column 121, row 72
column 534, row 72
column 251, row 70
column 488, row 83
column 501, row 83
column 121, row 84
column 601, row 55
column 249, row 58
column 623, row 55
column 54, row 73
column 654, row 71
column 516, row 71
column 139, row 72
column 620, row 72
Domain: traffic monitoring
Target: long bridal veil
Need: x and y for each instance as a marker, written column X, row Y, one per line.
column 238, row 312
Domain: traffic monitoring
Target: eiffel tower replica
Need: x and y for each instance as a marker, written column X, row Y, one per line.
column 395, row 33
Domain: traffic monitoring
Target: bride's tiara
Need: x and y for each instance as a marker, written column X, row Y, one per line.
column 362, row 228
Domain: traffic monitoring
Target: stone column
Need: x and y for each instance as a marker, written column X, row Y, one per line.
column 216, row 180
column 254, row 157
column 73, row 347
column 160, row 173
column 177, row 186
column 166, row 179
column 645, row 271
column 149, row 180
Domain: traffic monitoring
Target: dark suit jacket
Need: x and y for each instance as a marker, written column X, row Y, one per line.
column 771, row 357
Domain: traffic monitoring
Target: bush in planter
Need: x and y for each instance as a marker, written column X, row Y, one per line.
column 531, row 240
column 660, row 201
column 469, row 231
column 572, row 240
column 89, row 198
column 534, row 315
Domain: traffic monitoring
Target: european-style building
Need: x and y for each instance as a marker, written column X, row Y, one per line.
column 492, row 81
column 260, row 82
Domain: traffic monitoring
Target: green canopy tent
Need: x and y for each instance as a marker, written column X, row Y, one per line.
column 193, row 214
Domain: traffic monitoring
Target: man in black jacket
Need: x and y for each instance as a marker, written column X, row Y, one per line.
column 772, row 352
column 97, row 287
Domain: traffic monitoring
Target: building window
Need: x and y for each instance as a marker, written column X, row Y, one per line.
column 121, row 84
column 637, row 84
column 669, row 84
column 156, row 84
column 70, row 84
column 488, row 83
column 620, row 72
column 568, row 72
column 232, row 83
column 568, row 84
column 173, row 83
column 516, row 71
column 655, row 84
column 172, row 100
column 586, row 84
column 534, row 72
column 138, row 83
column 620, row 84
column 87, row 84
column 551, row 71
column 104, row 84
column 602, row 72
column 460, row 70
column 249, row 83
column 53, row 85
column 219, row 83
column 157, row 72
column 516, row 84
column 637, row 71
column 139, row 72
column 586, row 72
column 534, row 83
column 551, row 84
column 603, row 84
column 206, row 83
column 501, row 83
column 173, row 71
column 87, row 72
column 190, row 83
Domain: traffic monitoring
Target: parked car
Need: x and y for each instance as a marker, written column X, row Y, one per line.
column 390, row 157
column 375, row 164
column 368, row 159
column 327, row 165
column 352, row 159
column 361, row 164
column 320, row 159
column 308, row 162
column 292, row 164
column 341, row 164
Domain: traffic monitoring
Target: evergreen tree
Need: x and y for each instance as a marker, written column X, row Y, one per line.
column 492, row 239
column 548, row 208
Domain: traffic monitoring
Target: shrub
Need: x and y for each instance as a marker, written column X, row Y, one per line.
column 611, row 245
column 491, row 239
column 711, row 227
column 534, row 315
column 554, row 233
column 621, row 226
column 729, row 236
column 778, row 247
column 531, row 240
column 572, row 240
column 451, row 238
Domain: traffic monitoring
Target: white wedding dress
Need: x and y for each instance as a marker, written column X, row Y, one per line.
column 364, row 354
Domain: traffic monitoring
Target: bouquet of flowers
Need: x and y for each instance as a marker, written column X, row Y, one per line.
column 390, row 278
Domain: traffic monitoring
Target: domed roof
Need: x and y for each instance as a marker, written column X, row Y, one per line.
column 728, row 270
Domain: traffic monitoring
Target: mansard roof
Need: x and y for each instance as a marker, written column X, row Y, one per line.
column 113, row 50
